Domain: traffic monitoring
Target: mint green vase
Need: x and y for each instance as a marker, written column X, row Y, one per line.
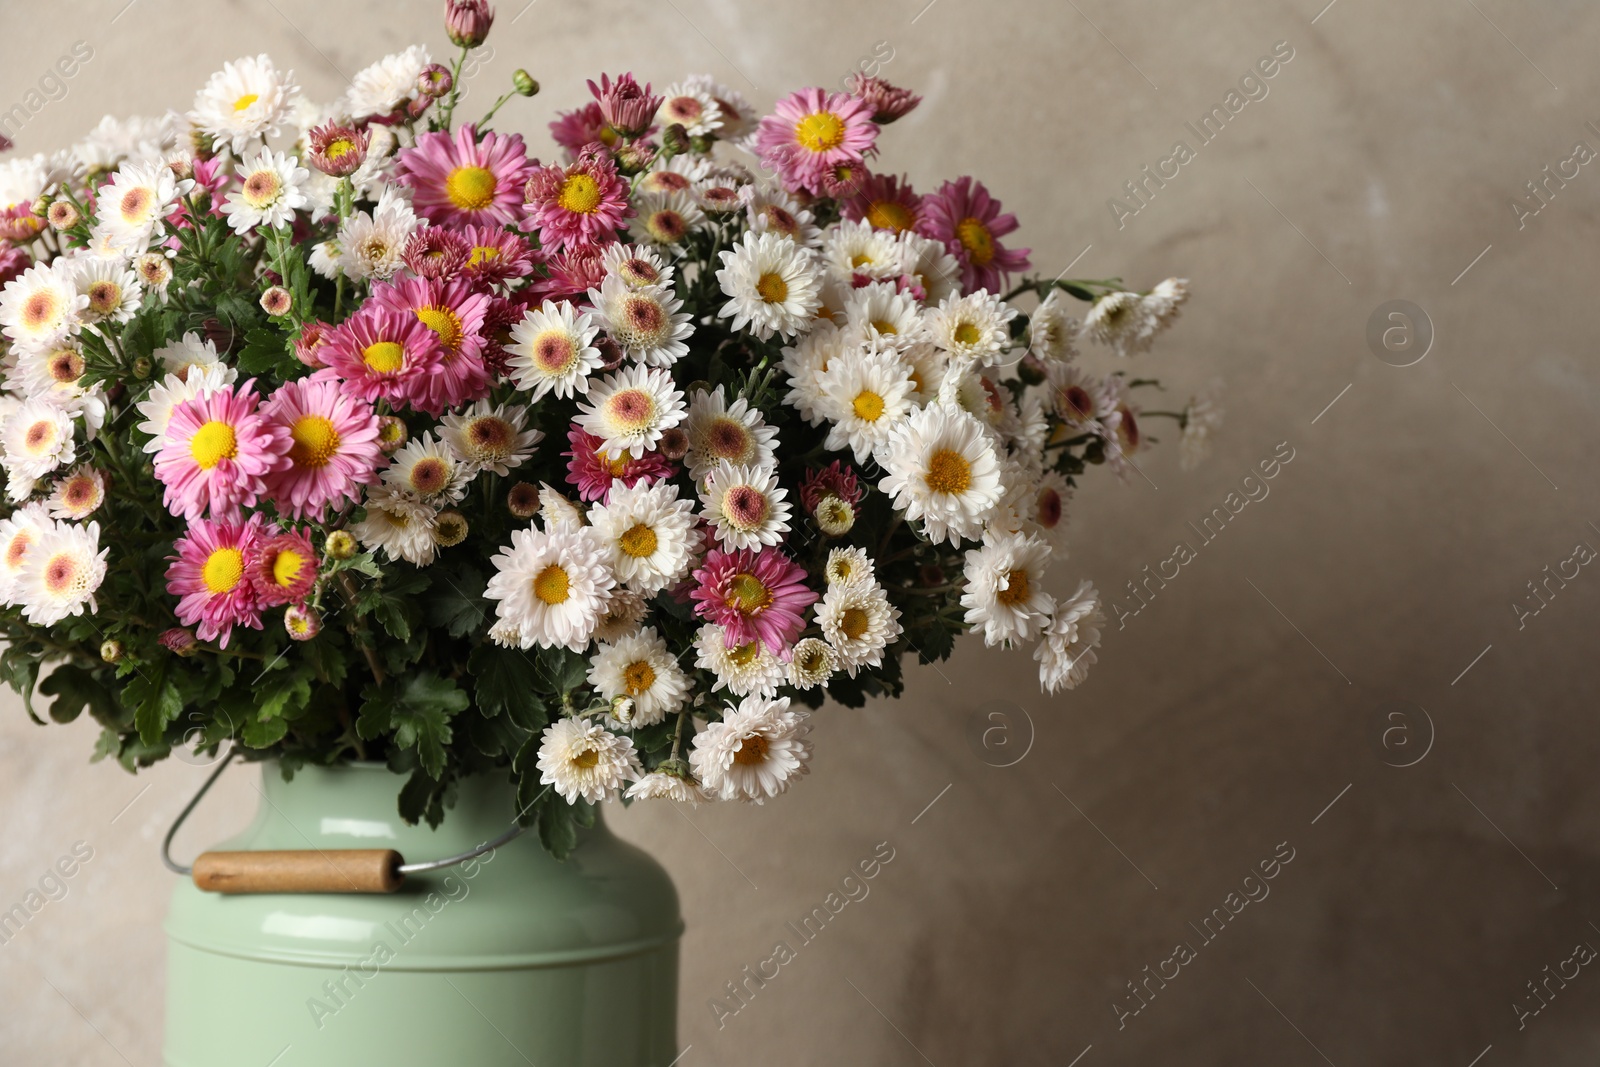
column 511, row 960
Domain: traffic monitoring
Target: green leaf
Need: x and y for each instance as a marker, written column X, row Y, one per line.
column 1075, row 290
column 264, row 734
column 456, row 601
column 417, row 710
column 73, row 690
column 155, row 702
column 560, row 671
column 19, row 666
column 284, row 695
column 266, row 352
column 558, row 828
column 503, row 680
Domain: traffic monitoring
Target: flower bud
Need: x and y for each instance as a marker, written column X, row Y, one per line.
column 40, row 207
column 301, row 622
column 523, row 82
column 622, row 709
column 142, row 367
column 450, row 528
column 523, row 500
column 435, row 81
column 467, row 22
column 835, row 516
column 337, row 150
column 674, row 443
column 1031, row 370
column 392, row 434
column 179, row 640
column 341, row 545
column 313, row 335
column 111, row 651
column 276, row 301
column 62, row 215
column 674, row 140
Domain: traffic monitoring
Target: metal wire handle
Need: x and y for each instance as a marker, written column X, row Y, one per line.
column 512, row 834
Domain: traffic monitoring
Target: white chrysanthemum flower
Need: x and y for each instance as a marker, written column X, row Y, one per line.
column 1201, row 419
column 373, row 246
column 1052, row 333
column 804, row 364
column 859, row 623
column 1067, row 649
column 112, row 290
column 972, row 327
column 553, row 584
column 689, row 106
column 399, row 524
column 931, row 265
column 773, row 285
column 649, row 532
column 60, row 573
column 427, row 469
column 811, row 663
column 1120, row 426
column 648, row 323
column 851, row 248
column 658, row 785
column 880, row 317
column 927, row 366
column 738, row 117
column 56, row 369
column 20, row 532
column 743, row 670
column 1005, row 588
column 190, row 353
column 637, row 266
column 139, row 137
column 552, row 350
column 640, row 668
column 771, row 209
column 174, row 389
column 942, row 470
column 133, row 204
column 78, row 493
column 1121, row 321
column 848, row 566
column 246, row 98
column 629, row 410
column 155, row 272
column 1077, row 398
column 1166, row 298
column 387, row 84
column 556, row 512
column 721, row 432
column 41, row 306
column 866, row 395
column 270, row 191
column 585, row 760
column 624, row 612
column 324, row 259
column 677, row 174
column 37, row 439
column 1045, row 511
column 1031, row 430
column 755, row 752
column 490, row 436
column 745, row 506
column 664, row 218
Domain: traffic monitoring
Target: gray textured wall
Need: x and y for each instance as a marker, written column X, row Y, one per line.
column 1255, row 689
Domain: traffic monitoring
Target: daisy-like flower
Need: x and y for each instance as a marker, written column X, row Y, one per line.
column 1077, row 398
column 1005, row 588
column 738, row 117
column 576, row 130
column 207, row 574
column 113, row 292
column 885, row 202
column 593, row 472
column 271, row 190
column 495, row 255
column 812, row 664
column 333, row 447
column 772, row 210
column 943, row 471
column 490, row 436
column 629, row 410
column 720, row 432
column 188, row 354
column 773, row 284
column 1201, row 420
column 965, row 387
column 337, row 150
column 247, row 98
column 745, row 506
column 859, row 623
column 1067, row 649
column 659, row 785
column 42, row 305
column 755, row 752
column 748, row 669
column 811, row 133
column 584, row 760
column 882, row 317
column 455, row 314
column 19, row 533
column 281, row 568
column 649, row 534
column 855, row 248
column 134, row 203
column 387, row 85
column 690, row 106
column 931, row 266
column 640, row 668
column 805, row 363
column 399, row 524
column 967, row 219
column 665, row 218
column 1045, row 508
column 77, row 493
column 382, row 354
column 637, row 265
column 975, row 327
column 836, row 480
column 373, row 245
column 848, row 566
column 37, row 439
column 426, row 469
column 678, row 174
column 1052, row 333
column 174, row 389
column 552, row 585
column 1121, row 321
column 624, row 612
column 578, row 205
column 155, row 271
column 647, row 323
column 1166, row 298
column 219, row 454
column 866, row 395
column 753, row 596
column 60, row 573
column 552, row 350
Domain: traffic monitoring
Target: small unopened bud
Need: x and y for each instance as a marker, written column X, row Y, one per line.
column 930, row 574
column 1031, row 370
column 622, row 709
column 674, row 443
column 276, row 301
column 179, row 640
column 142, row 367
column 523, row 82
column 674, row 140
column 392, row 434
column 835, row 516
column 41, row 206
column 434, row 81
column 111, row 650
column 153, row 269
column 523, row 500
column 417, row 106
column 62, row 215
column 450, row 528
column 341, row 545
column 467, row 22
column 301, row 622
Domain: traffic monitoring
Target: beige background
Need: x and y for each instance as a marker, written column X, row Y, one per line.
column 1382, row 162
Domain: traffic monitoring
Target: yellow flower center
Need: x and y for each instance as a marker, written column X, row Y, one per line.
column 890, row 215
column 772, row 288
column 638, row 677
column 819, row 131
column 638, row 542
column 314, row 441
column 286, row 568
column 470, row 188
column 748, row 594
column 482, row 254
column 339, row 148
column 745, row 654
column 966, row 334
column 245, row 101
column 948, row 472
column 854, row 623
column 884, row 326
column 868, row 406
column 550, row 585
column 212, row 443
column 976, row 239
column 1016, row 590
column 580, row 194
column 223, row 570
column 751, row 751
column 384, row 357
column 446, row 323
column 586, row 759
column 617, row 465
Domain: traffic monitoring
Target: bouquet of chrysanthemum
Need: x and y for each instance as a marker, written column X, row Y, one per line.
column 351, row 431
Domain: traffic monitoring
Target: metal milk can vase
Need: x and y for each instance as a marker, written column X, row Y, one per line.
column 510, row 959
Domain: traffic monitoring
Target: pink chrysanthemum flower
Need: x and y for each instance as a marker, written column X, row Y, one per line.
column 333, row 447
column 436, row 252
column 836, row 479
column 337, row 151
column 455, row 314
column 967, row 219
column 812, row 132
column 498, row 318
column 569, row 274
column 13, row 261
column 464, row 180
column 579, row 205
column 754, row 596
column 207, row 574
column 593, row 474
column 313, row 335
column 496, row 255
column 886, row 202
column 576, row 130
column 219, row 454
column 382, row 354
column 281, row 568
column 626, row 107
column 888, row 102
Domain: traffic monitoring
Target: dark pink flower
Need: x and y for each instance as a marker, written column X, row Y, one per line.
column 573, row 130
column 337, row 151
column 887, row 102
column 967, row 220
column 592, row 473
column 436, row 252
column 886, row 202
column 813, row 132
column 579, row 205
column 460, row 180
column 13, row 261
column 281, row 568
column 836, row 479
column 753, row 596
column 467, row 22
column 626, row 107
column 570, row 273
column 496, row 255
column 382, row 354
column 207, row 574
column 454, row 312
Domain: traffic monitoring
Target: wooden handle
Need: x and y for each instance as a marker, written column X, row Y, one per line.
column 337, row 871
